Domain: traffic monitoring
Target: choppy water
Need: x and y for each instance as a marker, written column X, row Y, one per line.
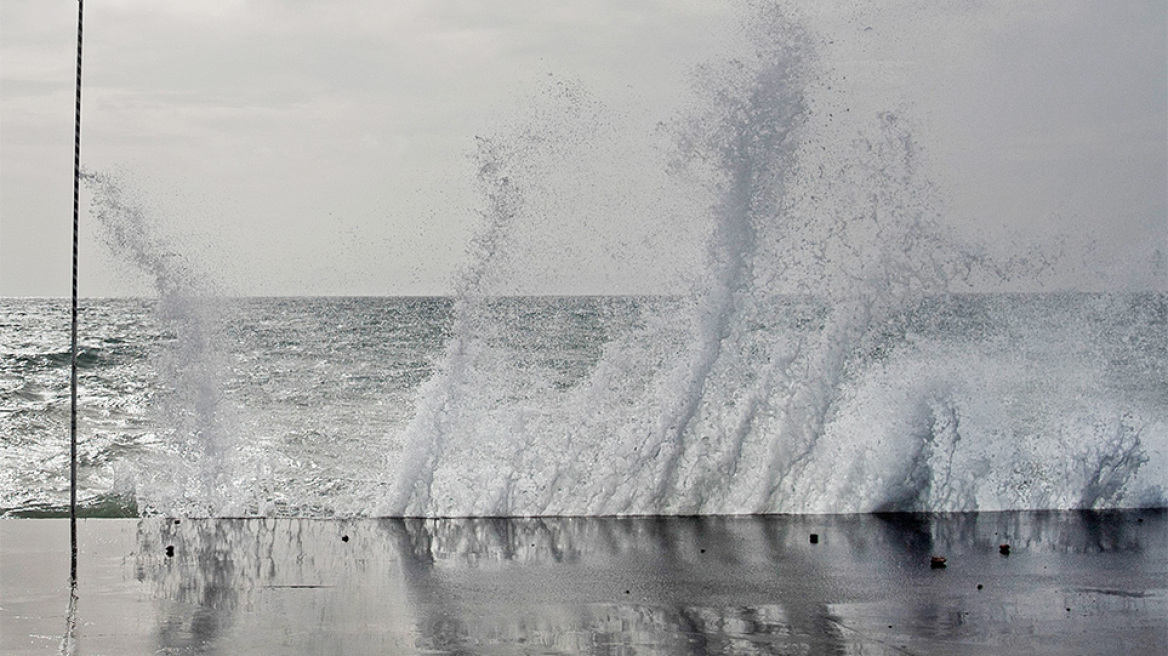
column 963, row 402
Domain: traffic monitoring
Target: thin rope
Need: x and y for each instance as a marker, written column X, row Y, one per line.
column 73, row 334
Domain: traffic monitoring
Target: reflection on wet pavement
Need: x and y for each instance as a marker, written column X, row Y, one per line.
column 712, row 585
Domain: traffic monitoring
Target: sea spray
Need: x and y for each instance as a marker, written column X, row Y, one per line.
column 505, row 168
column 770, row 386
column 822, row 347
column 746, row 143
column 743, row 145
column 194, row 472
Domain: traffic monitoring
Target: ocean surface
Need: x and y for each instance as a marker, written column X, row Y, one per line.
column 327, row 407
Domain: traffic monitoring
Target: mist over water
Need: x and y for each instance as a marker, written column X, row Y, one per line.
column 830, row 348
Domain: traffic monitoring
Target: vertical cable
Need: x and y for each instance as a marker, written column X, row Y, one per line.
column 69, row 641
column 73, row 334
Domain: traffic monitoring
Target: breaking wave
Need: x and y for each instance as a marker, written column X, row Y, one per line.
column 805, row 371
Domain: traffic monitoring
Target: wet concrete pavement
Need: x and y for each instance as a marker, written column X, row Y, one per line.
column 1071, row 583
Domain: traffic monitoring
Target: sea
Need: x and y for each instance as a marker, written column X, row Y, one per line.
column 344, row 407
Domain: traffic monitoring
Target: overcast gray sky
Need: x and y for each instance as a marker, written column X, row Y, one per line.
column 309, row 147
